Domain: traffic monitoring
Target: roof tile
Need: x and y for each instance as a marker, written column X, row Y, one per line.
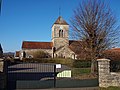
column 37, row 45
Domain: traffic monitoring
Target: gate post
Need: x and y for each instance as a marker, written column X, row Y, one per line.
column 103, row 71
column 54, row 76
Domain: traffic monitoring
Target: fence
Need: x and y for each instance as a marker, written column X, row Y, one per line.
column 24, row 75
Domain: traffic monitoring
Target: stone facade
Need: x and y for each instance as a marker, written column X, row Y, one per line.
column 107, row 78
column 60, row 35
column 65, row 52
column 29, row 52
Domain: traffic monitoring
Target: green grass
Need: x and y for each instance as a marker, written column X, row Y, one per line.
column 80, row 71
column 110, row 88
column 69, row 62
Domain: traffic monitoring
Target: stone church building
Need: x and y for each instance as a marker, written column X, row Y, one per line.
column 60, row 45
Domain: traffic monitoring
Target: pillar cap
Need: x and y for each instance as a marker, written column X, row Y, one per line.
column 103, row 59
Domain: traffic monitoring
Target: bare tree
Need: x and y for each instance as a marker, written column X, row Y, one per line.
column 95, row 25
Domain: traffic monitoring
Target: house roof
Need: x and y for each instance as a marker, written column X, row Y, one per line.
column 61, row 21
column 36, row 45
column 115, row 50
column 112, row 54
column 75, row 46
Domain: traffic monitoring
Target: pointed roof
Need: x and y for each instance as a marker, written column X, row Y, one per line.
column 60, row 20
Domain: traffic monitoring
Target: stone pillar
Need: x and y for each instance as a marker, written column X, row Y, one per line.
column 104, row 72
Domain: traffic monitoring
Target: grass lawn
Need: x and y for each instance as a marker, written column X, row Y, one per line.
column 77, row 71
column 110, row 88
column 82, row 73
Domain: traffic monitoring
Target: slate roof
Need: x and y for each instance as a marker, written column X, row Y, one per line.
column 36, row 45
column 61, row 21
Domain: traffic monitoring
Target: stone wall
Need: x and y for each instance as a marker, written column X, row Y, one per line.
column 29, row 52
column 107, row 78
column 65, row 52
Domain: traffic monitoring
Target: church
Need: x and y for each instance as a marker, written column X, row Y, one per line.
column 60, row 45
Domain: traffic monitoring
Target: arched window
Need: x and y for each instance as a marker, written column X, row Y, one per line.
column 60, row 33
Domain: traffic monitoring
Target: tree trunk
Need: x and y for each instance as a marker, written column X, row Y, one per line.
column 92, row 67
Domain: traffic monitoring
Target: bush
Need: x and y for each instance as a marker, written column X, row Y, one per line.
column 40, row 54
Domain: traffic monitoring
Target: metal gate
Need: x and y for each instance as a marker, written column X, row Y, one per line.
column 43, row 75
column 30, row 76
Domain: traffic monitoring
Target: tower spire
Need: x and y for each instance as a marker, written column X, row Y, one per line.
column 59, row 11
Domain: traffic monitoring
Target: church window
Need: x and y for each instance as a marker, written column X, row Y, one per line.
column 60, row 33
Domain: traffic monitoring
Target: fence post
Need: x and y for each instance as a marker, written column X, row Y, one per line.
column 54, row 76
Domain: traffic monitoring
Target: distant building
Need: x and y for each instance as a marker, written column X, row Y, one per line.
column 1, row 51
column 8, row 55
column 60, row 46
column 17, row 54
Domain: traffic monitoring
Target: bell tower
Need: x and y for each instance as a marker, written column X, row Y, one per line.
column 60, row 30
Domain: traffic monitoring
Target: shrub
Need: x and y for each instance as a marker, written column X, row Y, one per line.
column 40, row 54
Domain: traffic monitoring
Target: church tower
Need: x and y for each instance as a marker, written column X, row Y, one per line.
column 60, row 30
